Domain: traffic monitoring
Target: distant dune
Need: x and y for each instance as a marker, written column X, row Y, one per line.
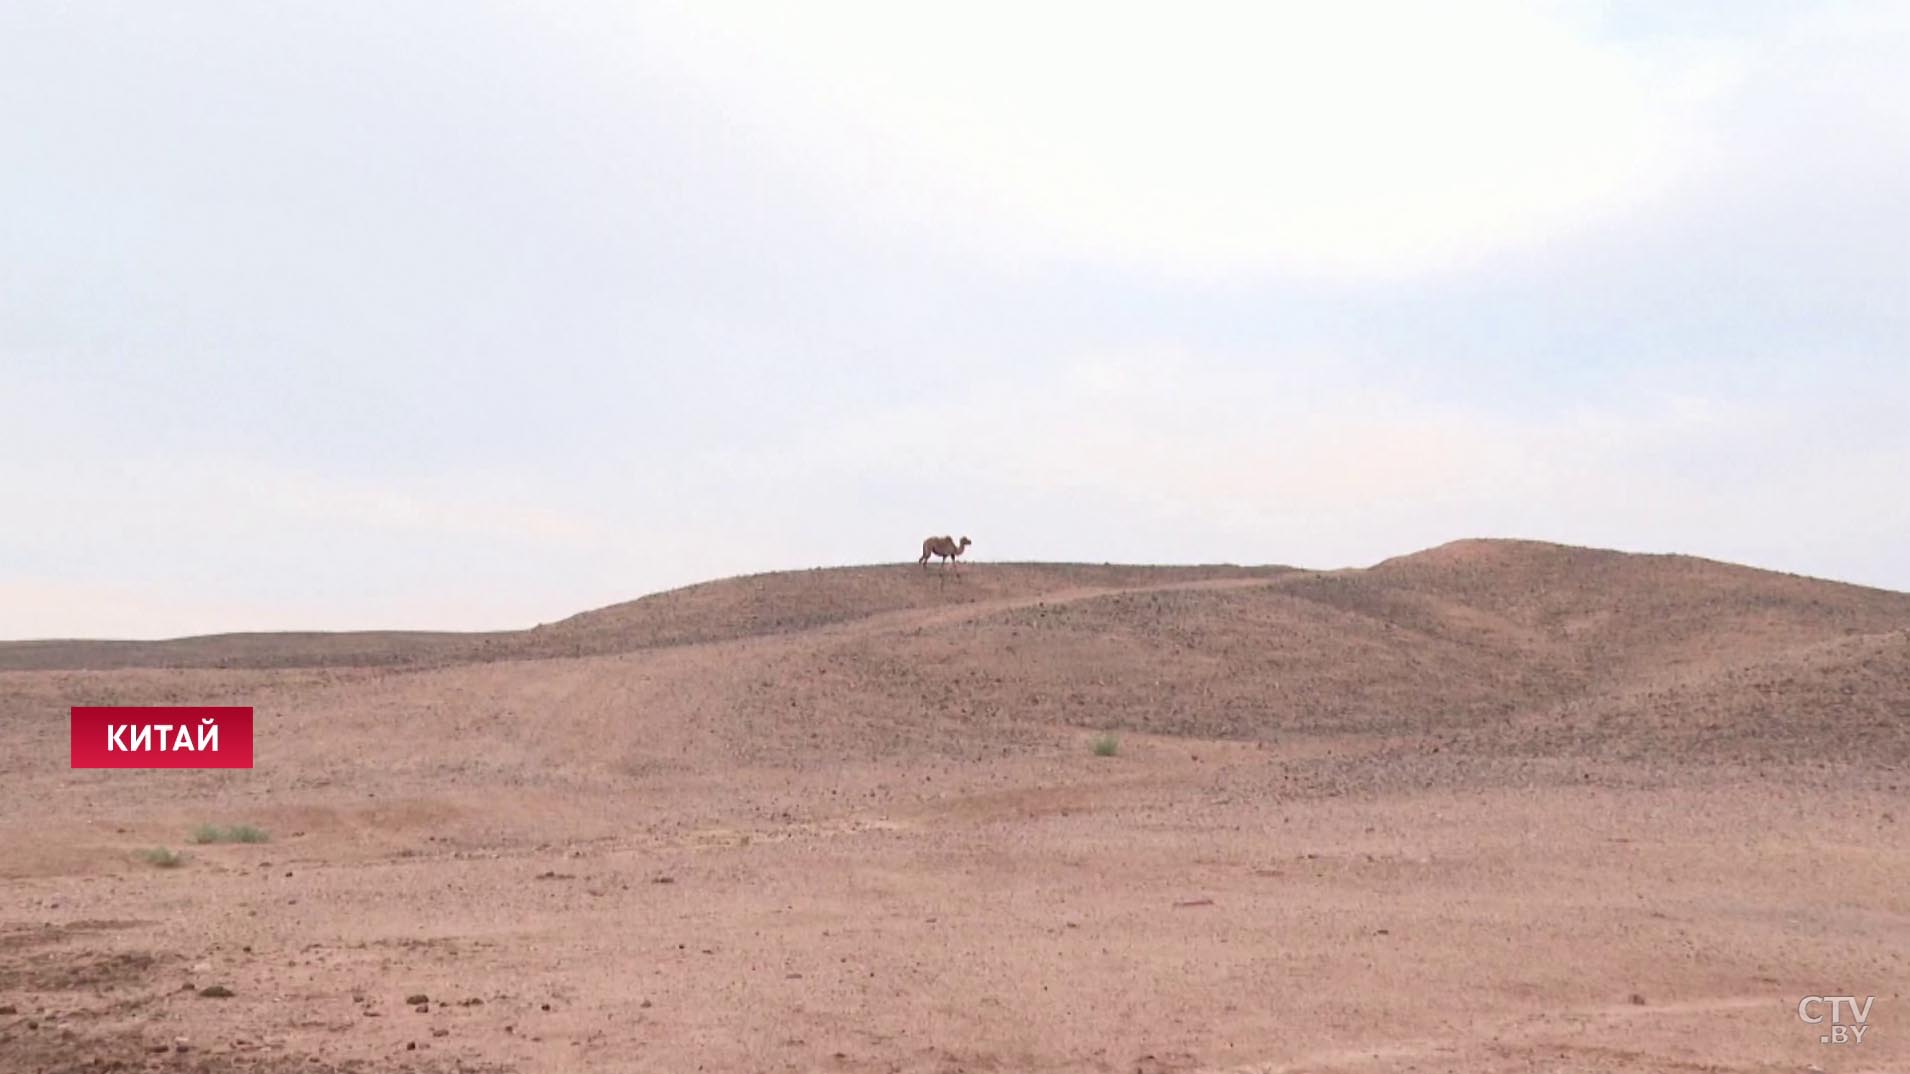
column 1518, row 806
column 1502, row 582
column 1519, row 647
column 710, row 611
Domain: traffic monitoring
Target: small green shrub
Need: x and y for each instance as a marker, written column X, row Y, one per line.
column 238, row 833
column 1106, row 745
column 163, row 858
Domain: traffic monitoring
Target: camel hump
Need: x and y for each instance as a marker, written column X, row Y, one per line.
column 943, row 546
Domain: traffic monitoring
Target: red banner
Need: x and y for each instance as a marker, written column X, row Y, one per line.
column 162, row 736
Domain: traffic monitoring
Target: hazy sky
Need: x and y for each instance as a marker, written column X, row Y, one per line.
column 475, row 315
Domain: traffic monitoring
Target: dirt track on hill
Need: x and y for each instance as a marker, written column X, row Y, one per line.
column 1494, row 807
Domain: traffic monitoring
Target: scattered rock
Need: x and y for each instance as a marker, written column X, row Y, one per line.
column 216, row 992
column 1185, row 903
column 1638, row 999
column 416, row 998
column 9, row 1009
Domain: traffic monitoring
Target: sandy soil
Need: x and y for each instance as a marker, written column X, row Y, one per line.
column 1493, row 807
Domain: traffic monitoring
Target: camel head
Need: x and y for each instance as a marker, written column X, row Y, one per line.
column 966, row 542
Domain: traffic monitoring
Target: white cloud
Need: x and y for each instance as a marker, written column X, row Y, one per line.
column 168, row 545
column 458, row 316
column 1302, row 460
column 37, row 608
column 173, row 498
column 483, row 506
column 1370, row 139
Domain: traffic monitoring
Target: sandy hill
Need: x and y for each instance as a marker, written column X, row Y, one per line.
column 711, row 611
column 1511, row 646
column 1496, row 806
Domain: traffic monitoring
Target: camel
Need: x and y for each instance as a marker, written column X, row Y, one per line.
column 944, row 547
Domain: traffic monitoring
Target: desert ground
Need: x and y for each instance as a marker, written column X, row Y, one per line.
column 1492, row 807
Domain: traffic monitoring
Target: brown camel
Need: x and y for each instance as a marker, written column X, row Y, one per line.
column 944, row 547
